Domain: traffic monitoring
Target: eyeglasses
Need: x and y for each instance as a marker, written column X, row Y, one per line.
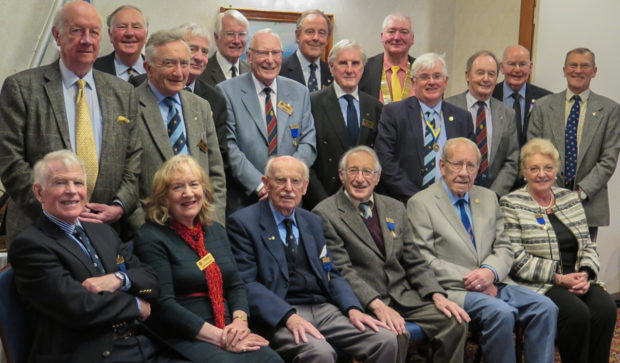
column 232, row 35
column 458, row 166
column 265, row 53
column 173, row 63
column 435, row 76
column 515, row 64
column 537, row 169
column 583, row 66
column 295, row 182
column 366, row 173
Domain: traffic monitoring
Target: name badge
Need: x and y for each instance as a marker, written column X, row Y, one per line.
column 205, row 261
column 285, row 107
column 367, row 123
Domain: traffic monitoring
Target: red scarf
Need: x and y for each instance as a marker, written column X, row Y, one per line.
column 195, row 239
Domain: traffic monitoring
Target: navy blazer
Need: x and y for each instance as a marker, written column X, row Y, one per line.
column 261, row 260
column 291, row 68
column 400, row 144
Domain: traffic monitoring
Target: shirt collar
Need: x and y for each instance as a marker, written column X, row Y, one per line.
column 260, row 86
column 305, row 63
column 69, row 78
column 160, row 97
column 509, row 91
column 453, row 198
column 426, row 108
column 340, row 92
column 583, row 95
column 387, row 65
column 356, row 203
column 471, row 101
column 192, row 85
column 279, row 217
column 224, row 63
column 66, row 227
column 138, row 66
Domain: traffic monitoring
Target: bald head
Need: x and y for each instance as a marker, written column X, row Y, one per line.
column 516, row 66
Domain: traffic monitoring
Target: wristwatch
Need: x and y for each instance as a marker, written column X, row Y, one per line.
column 582, row 195
column 119, row 275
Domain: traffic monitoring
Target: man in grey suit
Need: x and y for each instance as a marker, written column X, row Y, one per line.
column 267, row 115
column 591, row 124
column 494, row 124
column 460, row 230
column 167, row 66
column 39, row 114
column 371, row 243
column 231, row 33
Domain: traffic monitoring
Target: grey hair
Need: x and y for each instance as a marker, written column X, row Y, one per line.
column 263, row 31
column 480, row 53
column 581, row 50
column 60, row 19
column 305, row 14
column 428, row 61
column 195, row 30
column 268, row 171
column 68, row 158
column 342, row 165
column 235, row 14
column 450, row 143
column 345, row 44
column 112, row 17
column 162, row 37
column 400, row 16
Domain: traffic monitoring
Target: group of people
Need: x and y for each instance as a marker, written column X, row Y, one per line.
column 475, row 211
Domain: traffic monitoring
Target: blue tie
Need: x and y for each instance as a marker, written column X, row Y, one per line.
column 175, row 131
column 313, row 85
column 80, row 234
column 429, row 155
column 570, row 142
column 352, row 121
column 461, row 204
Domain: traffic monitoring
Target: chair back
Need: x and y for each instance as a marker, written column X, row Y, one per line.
column 15, row 326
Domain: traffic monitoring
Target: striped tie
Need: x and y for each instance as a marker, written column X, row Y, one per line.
column 570, row 142
column 175, row 130
column 461, row 204
column 272, row 124
column 85, row 139
column 481, row 139
column 313, row 84
column 429, row 155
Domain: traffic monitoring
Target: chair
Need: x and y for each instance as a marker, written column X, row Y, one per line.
column 417, row 340
column 15, row 330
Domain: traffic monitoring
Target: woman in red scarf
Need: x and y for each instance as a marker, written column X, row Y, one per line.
column 202, row 311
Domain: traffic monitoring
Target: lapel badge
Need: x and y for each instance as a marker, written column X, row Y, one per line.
column 390, row 226
column 368, row 124
column 271, row 238
column 451, row 118
column 477, row 201
column 202, row 145
column 285, row 107
column 122, row 119
column 593, row 113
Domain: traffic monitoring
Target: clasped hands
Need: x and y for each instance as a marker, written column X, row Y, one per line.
column 481, row 280
column 576, row 282
column 236, row 337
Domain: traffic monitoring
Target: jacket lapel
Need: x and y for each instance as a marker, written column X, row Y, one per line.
column 335, row 121
column 249, row 98
column 351, row 218
column 271, row 238
column 53, row 89
column 557, row 124
column 310, row 245
column 416, row 124
column 450, row 214
column 149, row 111
column 383, row 214
column 499, row 122
column 591, row 124
column 284, row 95
column 192, row 124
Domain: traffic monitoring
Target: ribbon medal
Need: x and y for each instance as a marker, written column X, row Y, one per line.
column 327, row 265
column 295, row 134
column 120, row 261
column 390, row 226
column 541, row 220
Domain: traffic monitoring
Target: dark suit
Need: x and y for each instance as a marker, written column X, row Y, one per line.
column 400, row 143
column 106, row 64
column 33, row 122
column 532, row 93
column 291, row 68
column 332, row 140
column 213, row 73
column 371, row 79
column 73, row 324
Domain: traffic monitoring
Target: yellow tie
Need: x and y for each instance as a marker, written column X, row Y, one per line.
column 397, row 91
column 84, row 138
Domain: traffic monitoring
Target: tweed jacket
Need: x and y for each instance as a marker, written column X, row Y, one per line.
column 536, row 250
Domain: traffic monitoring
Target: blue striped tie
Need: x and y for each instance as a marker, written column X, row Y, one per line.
column 313, row 84
column 175, row 130
column 461, row 204
column 429, row 155
column 570, row 143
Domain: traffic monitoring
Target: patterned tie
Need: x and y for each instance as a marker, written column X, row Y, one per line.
column 291, row 242
column 461, row 204
column 80, row 234
column 132, row 74
column 85, row 139
column 570, row 142
column 175, row 130
column 481, row 138
column 313, row 85
column 429, row 156
column 352, row 121
column 272, row 124
column 188, row 89
column 397, row 92
column 516, row 106
column 233, row 70
column 365, row 210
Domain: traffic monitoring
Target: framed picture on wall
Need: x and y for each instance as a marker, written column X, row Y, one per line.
column 282, row 23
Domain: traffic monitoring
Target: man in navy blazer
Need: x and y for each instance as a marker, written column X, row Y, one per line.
column 298, row 299
column 404, row 127
column 305, row 66
column 247, row 136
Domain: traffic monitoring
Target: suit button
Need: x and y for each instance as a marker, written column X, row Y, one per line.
column 106, row 353
column 329, row 159
column 333, row 178
column 324, row 142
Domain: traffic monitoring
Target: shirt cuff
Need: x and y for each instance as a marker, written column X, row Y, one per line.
column 127, row 284
column 494, row 272
column 259, row 187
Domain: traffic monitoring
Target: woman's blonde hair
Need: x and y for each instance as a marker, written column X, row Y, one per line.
column 538, row 146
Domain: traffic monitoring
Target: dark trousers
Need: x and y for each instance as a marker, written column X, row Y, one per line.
column 138, row 349
column 585, row 324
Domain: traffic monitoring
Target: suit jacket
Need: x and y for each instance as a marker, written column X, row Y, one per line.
column 201, row 141
column 33, row 122
column 371, row 79
column 442, row 239
column 400, row 143
column 532, row 93
column 332, row 139
column 71, row 323
column 291, row 68
column 598, row 148
column 246, row 132
column 106, row 64
column 261, row 259
column 213, row 73
column 504, row 161
column 399, row 277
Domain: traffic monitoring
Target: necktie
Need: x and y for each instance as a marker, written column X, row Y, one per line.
column 291, row 242
column 397, row 91
column 85, row 139
column 175, row 131
column 461, row 204
column 430, row 153
column 312, row 82
column 131, row 73
column 352, row 121
column 233, row 70
column 570, row 142
column 272, row 124
column 516, row 106
column 481, row 138
column 78, row 232
column 188, row 89
column 365, row 210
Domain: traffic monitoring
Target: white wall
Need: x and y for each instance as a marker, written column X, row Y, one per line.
column 566, row 24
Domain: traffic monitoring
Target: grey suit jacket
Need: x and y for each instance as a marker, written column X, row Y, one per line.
column 213, row 73
column 401, row 275
column 33, row 122
column 246, row 131
column 504, row 161
column 201, row 141
column 598, row 148
column 440, row 235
